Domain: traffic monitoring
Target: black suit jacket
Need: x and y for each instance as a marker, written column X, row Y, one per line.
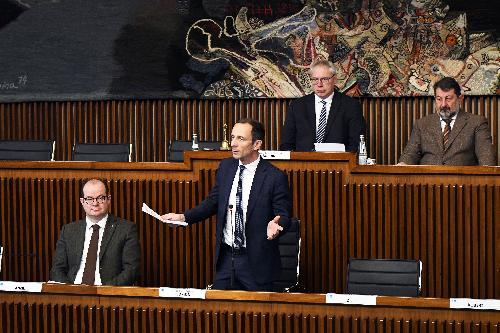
column 119, row 256
column 345, row 123
column 269, row 197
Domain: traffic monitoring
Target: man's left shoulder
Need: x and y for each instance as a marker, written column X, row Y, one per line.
column 472, row 121
column 120, row 223
column 268, row 167
column 347, row 101
column 476, row 118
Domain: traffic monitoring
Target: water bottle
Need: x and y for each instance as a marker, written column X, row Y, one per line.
column 195, row 145
column 362, row 156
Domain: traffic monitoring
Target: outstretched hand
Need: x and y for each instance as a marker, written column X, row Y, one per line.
column 173, row 217
column 273, row 228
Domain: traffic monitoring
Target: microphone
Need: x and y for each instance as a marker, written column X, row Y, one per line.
column 230, row 206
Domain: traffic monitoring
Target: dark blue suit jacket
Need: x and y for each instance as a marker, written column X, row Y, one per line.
column 269, row 196
column 344, row 125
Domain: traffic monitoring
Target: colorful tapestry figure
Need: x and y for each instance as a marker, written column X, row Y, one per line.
column 380, row 48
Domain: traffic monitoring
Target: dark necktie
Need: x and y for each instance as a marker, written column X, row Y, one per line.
column 320, row 132
column 446, row 131
column 239, row 228
column 90, row 263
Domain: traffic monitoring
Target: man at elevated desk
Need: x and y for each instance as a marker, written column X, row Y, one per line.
column 101, row 249
column 252, row 201
column 450, row 136
column 327, row 115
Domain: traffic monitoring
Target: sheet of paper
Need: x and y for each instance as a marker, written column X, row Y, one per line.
column 329, row 147
column 274, row 154
column 30, row 287
column 182, row 292
column 154, row 214
column 476, row 304
column 332, row 298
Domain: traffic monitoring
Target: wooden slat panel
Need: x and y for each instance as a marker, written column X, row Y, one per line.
column 58, row 317
column 151, row 124
column 444, row 226
column 452, row 229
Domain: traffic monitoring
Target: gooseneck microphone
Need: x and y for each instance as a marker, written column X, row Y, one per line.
column 232, row 243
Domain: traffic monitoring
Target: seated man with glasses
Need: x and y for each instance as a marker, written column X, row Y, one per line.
column 99, row 250
column 327, row 115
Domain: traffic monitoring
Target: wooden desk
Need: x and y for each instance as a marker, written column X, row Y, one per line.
column 120, row 309
column 447, row 217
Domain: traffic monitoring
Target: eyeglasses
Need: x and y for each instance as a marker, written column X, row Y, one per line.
column 323, row 80
column 100, row 199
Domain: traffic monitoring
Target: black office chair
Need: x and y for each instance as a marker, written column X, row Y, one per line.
column 289, row 245
column 102, row 152
column 177, row 148
column 27, row 150
column 388, row 277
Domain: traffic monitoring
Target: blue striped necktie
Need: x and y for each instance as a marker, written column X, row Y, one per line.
column 320, row 132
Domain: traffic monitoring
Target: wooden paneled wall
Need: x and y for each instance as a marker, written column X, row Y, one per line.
column 106, row 319
column 453, row 229
column 106, row 314
column 150, row 124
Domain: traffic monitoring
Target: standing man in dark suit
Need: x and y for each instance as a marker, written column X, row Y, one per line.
column 327, row 115
column 252, row 202
column 101, row 249
column 450, row 136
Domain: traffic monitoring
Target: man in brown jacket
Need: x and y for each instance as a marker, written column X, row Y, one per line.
column 450, row 136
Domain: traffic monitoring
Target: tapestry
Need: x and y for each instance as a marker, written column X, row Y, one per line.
column 127, row 49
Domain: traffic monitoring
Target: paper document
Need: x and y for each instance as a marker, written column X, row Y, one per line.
column 151, row 212
column 332, row 298
column 30, row 287
column 182, row 292
column 329, row 147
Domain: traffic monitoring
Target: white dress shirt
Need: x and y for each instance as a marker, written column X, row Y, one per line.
column 246, row 186
column 318, row 106
column 88, row 235
column 443, row 123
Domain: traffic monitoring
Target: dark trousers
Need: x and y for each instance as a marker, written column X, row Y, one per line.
column 241, row 276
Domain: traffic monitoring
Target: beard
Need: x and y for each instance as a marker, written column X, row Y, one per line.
column 447, row 113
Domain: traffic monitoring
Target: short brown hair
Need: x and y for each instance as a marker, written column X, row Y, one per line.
column 258, row 131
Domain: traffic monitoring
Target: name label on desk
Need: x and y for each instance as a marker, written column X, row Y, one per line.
column 182, row 293
column 30, row 287
column 274, row 154
column 476, row 304
column 332, row 298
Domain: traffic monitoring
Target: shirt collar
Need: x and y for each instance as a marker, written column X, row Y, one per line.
column 252, row 166
column 452, row 118
column 101, row 223
column 328, row 99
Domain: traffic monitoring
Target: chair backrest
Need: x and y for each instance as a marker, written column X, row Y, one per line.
column 289, row 245
column 177, row 148
column 102, row 152
column 27, row 150
column 388, row 277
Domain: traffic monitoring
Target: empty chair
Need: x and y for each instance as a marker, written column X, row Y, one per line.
column 177, row 148
column 27, row 150
column 388, row 277
column 102, row 152
column 289, row 245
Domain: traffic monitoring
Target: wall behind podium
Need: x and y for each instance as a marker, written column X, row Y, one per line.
column 149, row 125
